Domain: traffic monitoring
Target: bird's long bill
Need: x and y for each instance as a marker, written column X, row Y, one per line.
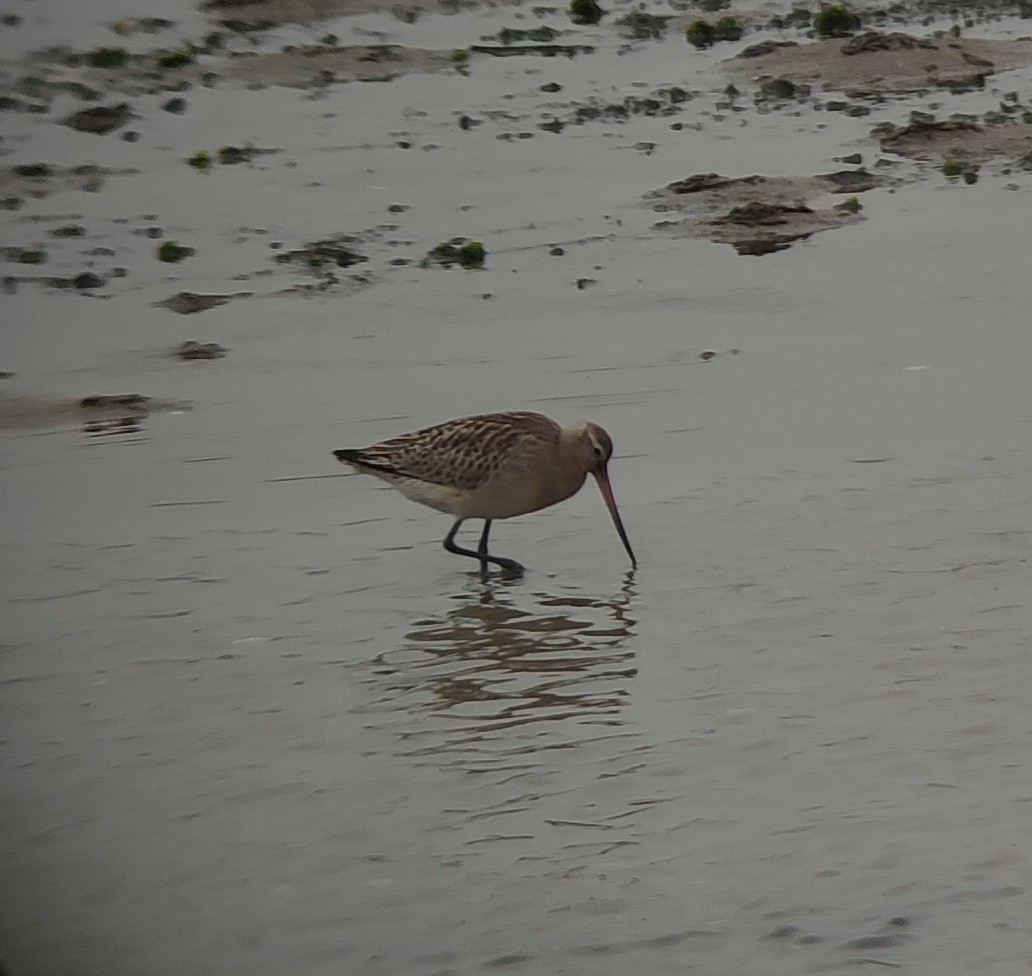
column 607, row 495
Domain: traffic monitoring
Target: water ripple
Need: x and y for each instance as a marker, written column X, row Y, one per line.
column 507, row 672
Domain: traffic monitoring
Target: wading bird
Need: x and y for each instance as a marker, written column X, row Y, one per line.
column 492, row 466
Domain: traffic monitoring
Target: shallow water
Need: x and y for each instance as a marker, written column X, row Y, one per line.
column 255, row 720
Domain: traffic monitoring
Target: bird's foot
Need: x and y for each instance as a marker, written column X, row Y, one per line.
column 509, row 567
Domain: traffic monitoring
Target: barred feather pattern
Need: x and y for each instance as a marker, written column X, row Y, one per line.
column 462, row 454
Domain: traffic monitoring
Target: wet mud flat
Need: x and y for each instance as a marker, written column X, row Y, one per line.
column 255, row 720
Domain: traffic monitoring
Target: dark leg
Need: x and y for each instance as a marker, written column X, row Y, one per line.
column 482, row 548
column 509, row 565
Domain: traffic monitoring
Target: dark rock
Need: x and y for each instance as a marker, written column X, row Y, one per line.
column 552, row 125
column 545, row 50
column 107, row 57
column 764, row 48
column 69, row 230
column 34, row 170
column 557, row 252
column 100, row 120
column 759, row 214
column 850, row 180
column 706, row 357
column 177, row 106
column 539, row 35
column 551, row 86
column 87, row 280
column 585, row 11
column 398, row 208
column 189, row 303
column 642, row 26
column 467, row 122
column 923, row 128
column 583, row 283
column 200, row 350
column 853, row 159
column 234, row 155
column 333, row 251
column 778, row 89
column 130, row 136
column 878, row 41
column 766, row 245
column 698, row 183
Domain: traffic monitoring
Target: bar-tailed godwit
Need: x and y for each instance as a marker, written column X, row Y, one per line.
column 492, row 466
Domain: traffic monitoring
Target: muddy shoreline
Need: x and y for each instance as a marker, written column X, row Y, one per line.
column 255, row 720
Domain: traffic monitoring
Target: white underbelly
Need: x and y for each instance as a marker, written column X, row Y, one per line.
column 439, row 497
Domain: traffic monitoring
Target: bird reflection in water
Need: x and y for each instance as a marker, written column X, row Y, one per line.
column 493, row 663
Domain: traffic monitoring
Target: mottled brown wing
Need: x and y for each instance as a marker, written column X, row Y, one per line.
column 462, row 453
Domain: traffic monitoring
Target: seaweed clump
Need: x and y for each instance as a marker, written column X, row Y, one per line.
column 465, row 253
column 835, row 20
column 174, row 59
column 727, row 29
column 108, row 57
column 699, row 33
column 172, row 252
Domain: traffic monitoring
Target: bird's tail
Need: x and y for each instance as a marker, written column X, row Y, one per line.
column 364, row 462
